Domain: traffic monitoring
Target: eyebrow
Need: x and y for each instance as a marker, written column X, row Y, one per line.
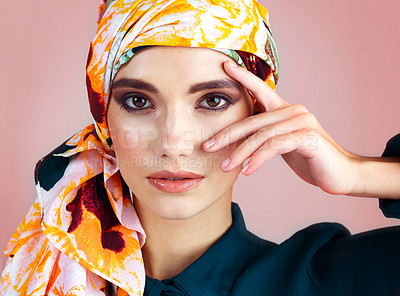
column 212, row 84
column 135, row 83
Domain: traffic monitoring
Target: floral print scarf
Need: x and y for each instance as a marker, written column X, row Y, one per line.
column 82, row 232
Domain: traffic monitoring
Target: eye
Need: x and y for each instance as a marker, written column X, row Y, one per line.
column 215, row 100
column 139, row 103
column 135, row 102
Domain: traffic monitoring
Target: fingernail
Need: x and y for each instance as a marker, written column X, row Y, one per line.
column 245, row 168
column 226, row 162
column 233, row 64
column 209, row 143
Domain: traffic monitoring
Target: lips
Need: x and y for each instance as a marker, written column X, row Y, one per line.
column 164, row 174
column 164, row 181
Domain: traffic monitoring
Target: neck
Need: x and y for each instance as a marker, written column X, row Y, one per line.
column 172, row 245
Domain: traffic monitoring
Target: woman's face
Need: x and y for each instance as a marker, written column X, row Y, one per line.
column 165, row 102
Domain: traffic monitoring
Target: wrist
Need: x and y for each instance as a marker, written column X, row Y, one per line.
column 376, row 177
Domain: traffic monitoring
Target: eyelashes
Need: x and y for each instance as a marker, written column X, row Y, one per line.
column 134, row 103
column 215, row 100
column 139, row 103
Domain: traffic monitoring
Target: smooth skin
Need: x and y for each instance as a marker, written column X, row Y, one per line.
column 295, row 133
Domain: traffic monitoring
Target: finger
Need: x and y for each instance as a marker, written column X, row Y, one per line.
column 256, row 141
column 262, row 92
column 252, row 124
column 302, row 141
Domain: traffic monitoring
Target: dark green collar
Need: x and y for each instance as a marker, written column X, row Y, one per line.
column 214, row 272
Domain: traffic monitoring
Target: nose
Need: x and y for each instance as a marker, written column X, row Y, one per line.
column 177, row 135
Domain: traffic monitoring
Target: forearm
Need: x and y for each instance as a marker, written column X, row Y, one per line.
column 377, row 177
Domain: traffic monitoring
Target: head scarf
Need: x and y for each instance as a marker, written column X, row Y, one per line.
column 82, row 231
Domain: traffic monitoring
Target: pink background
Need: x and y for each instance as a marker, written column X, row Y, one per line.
column 339, row 58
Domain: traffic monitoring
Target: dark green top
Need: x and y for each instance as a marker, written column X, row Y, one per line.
column 322, row 259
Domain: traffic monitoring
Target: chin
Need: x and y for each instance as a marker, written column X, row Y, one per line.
column 176, row 208
column 181, row 206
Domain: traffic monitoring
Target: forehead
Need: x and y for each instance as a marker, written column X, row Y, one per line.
column 170, row 61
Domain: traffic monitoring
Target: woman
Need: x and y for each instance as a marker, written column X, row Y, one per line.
column 154, row 106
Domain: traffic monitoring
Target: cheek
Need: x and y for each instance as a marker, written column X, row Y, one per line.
column 235, row 119
column 131, row 143
column 237, row 136
column 129, row 136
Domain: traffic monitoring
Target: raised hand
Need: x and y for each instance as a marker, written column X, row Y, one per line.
column 289, row 130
